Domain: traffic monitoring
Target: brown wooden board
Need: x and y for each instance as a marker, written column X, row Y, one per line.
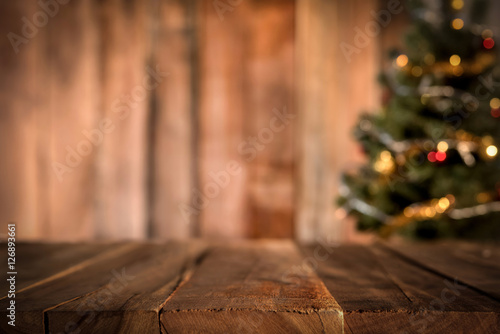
column 108, row 267
column 221, row 108
column 22, row 107
column 71, row 59
column 382, row 293
column 133, row 305
column 252, row 287
column 268, row 79
column 475, row 265
column 36, row 262
column 125, row 89
column 173, row 121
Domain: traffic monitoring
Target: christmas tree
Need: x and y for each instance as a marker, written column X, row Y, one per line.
column 432, row 167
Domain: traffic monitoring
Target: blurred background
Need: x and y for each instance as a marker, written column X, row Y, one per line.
column 133, row 119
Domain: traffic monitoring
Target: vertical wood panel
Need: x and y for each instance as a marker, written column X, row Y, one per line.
column 173, row 135
column 74, row 93
column 270, row 75
column 20, row 103
column 122, row 193
column 221, row 109
column 332, row 91
column 246, row 55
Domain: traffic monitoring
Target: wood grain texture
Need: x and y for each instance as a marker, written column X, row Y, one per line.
column 474, row 265
column 269, row 80
column 32, row 303
column 253, row 287
column 221, row 119
column 332, row 90
column 174, row 122
column 382, row 293
column 23, row 106
column 121, row 174
column 131, row 305
column 73, row 93
column 33, row 265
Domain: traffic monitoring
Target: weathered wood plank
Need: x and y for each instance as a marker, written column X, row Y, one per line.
column 221, row 109
column 356, row 279
column 36, row 262
column 126, row 85
column 332, row 90
column 382, row 293
column 22, row 102
column 173, row 121
column 253, row 287
column 471, row 267
column 73, row 93
column 105, row 269
column 268, row 94
column 132, row 307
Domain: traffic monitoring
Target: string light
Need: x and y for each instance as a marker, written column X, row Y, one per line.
column 455, row 60
column 443, row 204
column 440, row 156
column 416, row 71
column 495, row 103
column 483, row 197
column 491, row 151
column 431, row 157
column 402, row 60
column 431, row 209
column 457, row 24
column 489, row 43
column 457, row 4
column 442, row 146
column 385, row 163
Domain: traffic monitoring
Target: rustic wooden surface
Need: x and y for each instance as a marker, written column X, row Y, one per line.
column 231, row 63
column 254, row 287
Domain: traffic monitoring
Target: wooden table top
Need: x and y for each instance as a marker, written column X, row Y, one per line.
column 253, row 287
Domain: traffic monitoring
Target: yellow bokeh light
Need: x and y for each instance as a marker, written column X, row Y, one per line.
column 451, row 198
column 495, row 103
column 408, row 212
column 402, row 60
column 443, row 204
column 491, row 150
column 457, row 4
column 385, row 156
column 483, row 197
column 430, row 212
column 442, row 146
column 455, row 60
column 457, row 24
column 416, row 71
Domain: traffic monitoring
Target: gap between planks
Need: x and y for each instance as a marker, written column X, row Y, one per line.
column 436, row 272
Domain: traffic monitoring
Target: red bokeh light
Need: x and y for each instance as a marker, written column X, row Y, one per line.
column 431, row 156
column 440, row 156
column 489, row 43
column 495, row 113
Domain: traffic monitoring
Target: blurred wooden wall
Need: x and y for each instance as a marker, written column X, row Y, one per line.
column 167, row 99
